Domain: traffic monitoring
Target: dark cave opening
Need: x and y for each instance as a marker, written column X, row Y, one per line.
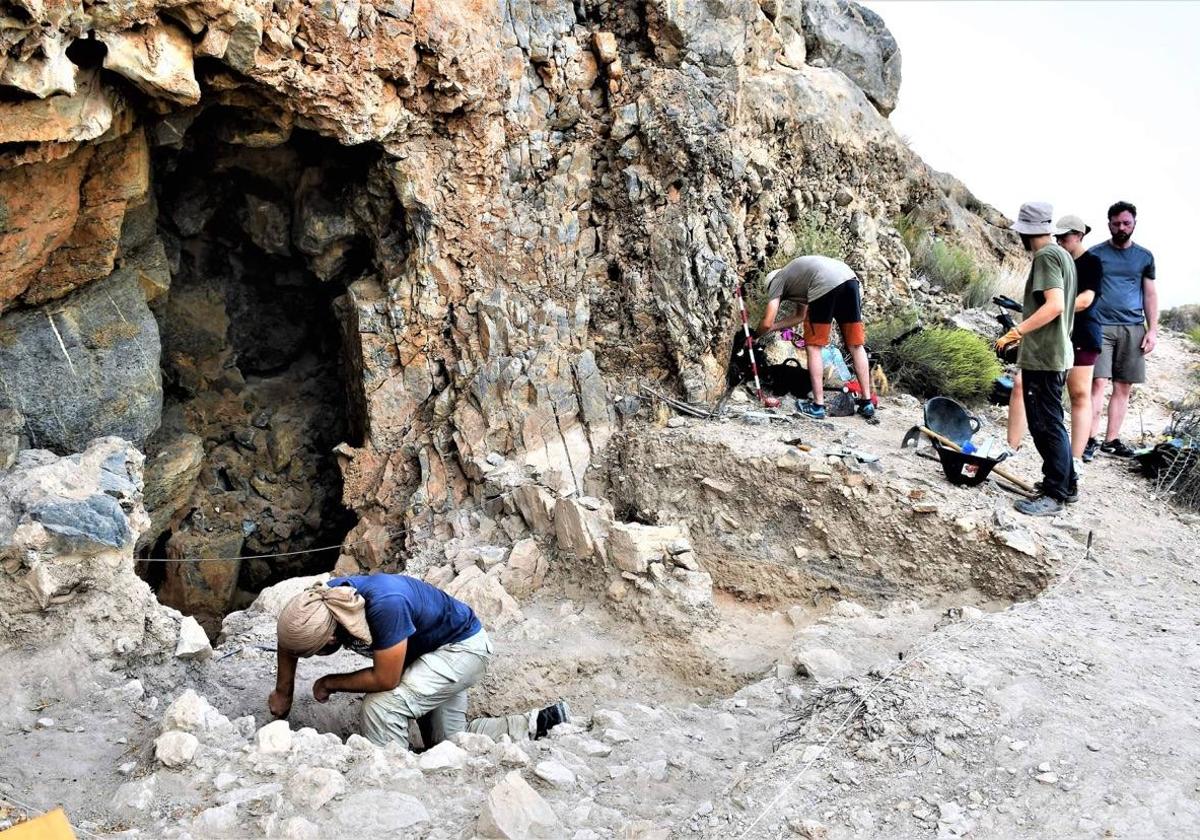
column 261, row 230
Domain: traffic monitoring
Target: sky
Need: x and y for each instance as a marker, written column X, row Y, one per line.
column 1076, row 103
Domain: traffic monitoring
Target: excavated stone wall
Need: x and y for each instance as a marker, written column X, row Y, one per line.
column 550, row 203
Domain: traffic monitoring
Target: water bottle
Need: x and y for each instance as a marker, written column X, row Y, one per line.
column 833, row 359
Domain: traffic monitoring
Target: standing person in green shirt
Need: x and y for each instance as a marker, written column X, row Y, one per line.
column 1045, row 355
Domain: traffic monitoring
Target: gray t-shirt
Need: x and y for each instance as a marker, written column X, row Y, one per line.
column 805, row 279
column 1122, row 271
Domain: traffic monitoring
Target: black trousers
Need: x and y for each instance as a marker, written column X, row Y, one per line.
column 1043, row 392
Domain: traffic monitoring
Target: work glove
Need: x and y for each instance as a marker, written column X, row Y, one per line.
column 1010, row 338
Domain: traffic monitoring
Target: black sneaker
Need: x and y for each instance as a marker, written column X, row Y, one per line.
column 550, row 717
column 1089, row 451
column 1041, row 506
column 1117, row 448
column 1072, row 492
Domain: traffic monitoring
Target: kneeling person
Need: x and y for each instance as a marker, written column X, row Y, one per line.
column 824, row 290
column 427, row 649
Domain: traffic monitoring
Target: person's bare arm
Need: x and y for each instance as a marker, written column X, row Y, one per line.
column 770, row 325
column 1150, row 303
column 1084, row 299
column 1051, row 308
column 280, row 701
column 383, row 675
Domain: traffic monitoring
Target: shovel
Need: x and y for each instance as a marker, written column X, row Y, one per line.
column 916, row 431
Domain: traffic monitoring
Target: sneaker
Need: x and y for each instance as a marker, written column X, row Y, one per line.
column 1072, row 493
column 810, row 409
column 1089, row 451
column 1117, row 448
column 865, row 409
column 550, row 717
column 1041, row 506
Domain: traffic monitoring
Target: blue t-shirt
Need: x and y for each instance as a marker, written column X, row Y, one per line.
column 400, row 607
column 1122, row 271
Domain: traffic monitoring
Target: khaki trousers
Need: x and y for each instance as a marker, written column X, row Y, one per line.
column 436, row 684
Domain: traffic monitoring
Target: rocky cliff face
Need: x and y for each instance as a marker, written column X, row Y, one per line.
column 431, row 238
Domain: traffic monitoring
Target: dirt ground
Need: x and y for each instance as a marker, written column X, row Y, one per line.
column 982, row 675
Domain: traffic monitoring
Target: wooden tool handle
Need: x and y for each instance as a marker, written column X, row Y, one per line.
column 1007, row 476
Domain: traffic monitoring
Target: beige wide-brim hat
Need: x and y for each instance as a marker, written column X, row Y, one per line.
column 1035, row 218
column 1069, row 223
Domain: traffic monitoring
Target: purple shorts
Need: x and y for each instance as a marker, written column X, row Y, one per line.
column 1085, row 358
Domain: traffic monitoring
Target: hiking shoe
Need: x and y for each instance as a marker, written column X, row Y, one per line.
column 810, row 409
column 1072, row 493
column 1041, row 506
column 1089, row 451
column 550, row 717
column 1117, row 448
column 865, row 409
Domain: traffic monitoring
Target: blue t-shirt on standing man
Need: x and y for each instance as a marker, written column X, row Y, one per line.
column 400, row 607
column 1120, row 300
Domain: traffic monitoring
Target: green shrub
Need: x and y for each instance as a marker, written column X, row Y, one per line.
column 936, row 361
column 945, row 264
column 1194, row 335
column 1183, row 318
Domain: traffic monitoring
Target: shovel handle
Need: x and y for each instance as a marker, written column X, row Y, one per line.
column 1007, row 476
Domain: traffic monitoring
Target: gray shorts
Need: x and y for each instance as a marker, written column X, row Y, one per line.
column 1121, row 356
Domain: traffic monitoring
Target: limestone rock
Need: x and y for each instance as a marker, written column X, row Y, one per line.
column 313, row 787
column 193, row 642
column 514, row 811
column 822, row 664
column 555, row 773
column 582, row 525
column 85, row 114
column 526, row 569
column 632, row 547
column 445, row 756
column 853, row 39
column 46, row 73
column 175, row 749
column 536, row 505
column 274, row 738
column 378, row 813
column 133, row 798
column 157, row 59
column 169, row 479
column 190, row 712
column 486, row 596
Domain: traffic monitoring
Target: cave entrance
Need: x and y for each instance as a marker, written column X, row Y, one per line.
column 261, row 229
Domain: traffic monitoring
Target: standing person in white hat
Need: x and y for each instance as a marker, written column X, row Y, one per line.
column 1045, row 354
column 1086, row 340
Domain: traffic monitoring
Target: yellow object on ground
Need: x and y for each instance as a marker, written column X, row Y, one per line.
column 49, row 826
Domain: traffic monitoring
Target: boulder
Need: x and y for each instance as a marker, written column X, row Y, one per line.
column 855, row 40
column 486, row 595
column 193, row 642
column 274, row 738
column 190, row 712
column 822, row 664
column 176, row 749
column 86, row 368
column 170, row 477
column 514, row 811
column 536, row 505
column 378, row 813
column 313, row 787
column 445, row 756
column 581, row 526
column 632, row 547
column 46, row 73
column 555, row 773
column 526, row 569
column 157, row 59
column 83, row 115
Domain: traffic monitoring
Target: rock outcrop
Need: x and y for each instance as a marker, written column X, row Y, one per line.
column 513, row 215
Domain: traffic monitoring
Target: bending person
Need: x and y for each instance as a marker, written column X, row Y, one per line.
column 823, row 290
column 426, row 649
